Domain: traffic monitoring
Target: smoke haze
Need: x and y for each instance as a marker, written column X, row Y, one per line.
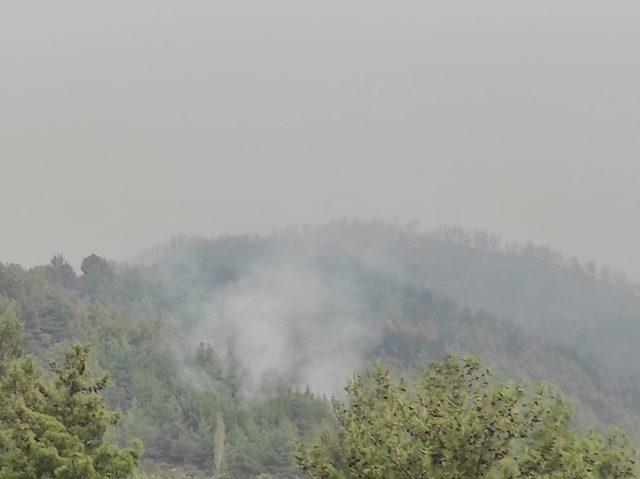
column 125, row 122
column 287, row 325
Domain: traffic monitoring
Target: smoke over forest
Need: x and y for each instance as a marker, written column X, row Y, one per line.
column 252, row 333
column 222, row 251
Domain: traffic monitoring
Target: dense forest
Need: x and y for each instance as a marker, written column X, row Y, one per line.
column 222, row 355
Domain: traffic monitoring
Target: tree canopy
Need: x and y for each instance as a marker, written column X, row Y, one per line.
column 203, row 402
column 56, row 428
column 453, row 422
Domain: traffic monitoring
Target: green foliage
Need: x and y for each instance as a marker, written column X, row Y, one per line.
column 176, row 404
column 140, row 319
column 60, row 271
column 454, row 423
column 43, row 306
column 11, row 338
column 56, row 428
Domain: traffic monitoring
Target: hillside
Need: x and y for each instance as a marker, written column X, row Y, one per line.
column 256, row 329
column 542, row 315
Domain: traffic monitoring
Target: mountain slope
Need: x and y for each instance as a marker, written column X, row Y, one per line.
column 205, row 328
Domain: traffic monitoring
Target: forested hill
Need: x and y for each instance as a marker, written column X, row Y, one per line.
column 577, row 312
column 200, row 331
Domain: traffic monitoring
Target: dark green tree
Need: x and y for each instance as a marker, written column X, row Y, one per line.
column 60, row 271
column 97, row 275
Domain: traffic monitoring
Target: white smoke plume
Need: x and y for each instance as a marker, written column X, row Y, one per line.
column 290, row 324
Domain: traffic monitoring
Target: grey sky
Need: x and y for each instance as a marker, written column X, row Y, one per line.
column 124, row 122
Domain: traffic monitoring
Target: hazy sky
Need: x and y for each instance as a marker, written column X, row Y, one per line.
column 125, row 122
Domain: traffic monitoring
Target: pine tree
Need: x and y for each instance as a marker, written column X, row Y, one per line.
column 56, row 428
column 453, row 423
